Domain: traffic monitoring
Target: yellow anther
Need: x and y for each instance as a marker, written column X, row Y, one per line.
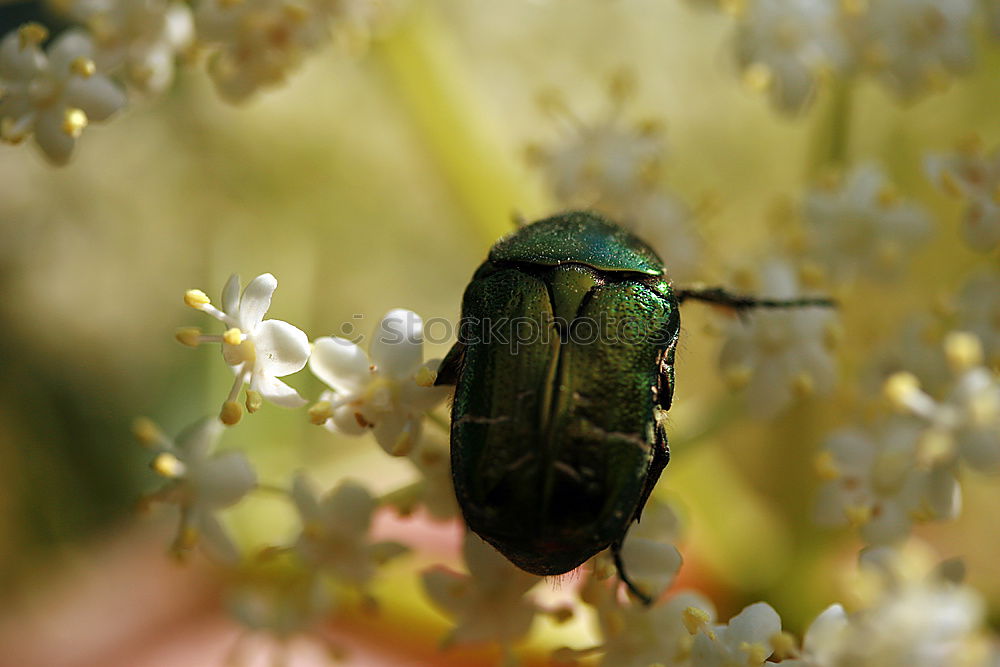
column 858, row 515
column 168, row 465
column 758, row 77
column 254, row 401
column 803, row 385
column 83, row 67
column 233, row 336
column 756, row 653
column 196, row 298
column 888, row 196
column 900, row 387
column 74, row 121
column 320, row 412
column 784, row 645
column 826, row 466
column 695, row 619
column 190, row 336
column 31, row 34
column 935, row 447
column 146, row 431
column 425, row 377
column 963, row 351
column 231, row 413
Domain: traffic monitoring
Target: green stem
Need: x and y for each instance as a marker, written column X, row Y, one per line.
column 427, row 79
column 831, row 141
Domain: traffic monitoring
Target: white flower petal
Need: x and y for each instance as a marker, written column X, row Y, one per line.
column 223, row 480
column 198, row 441
column 255, row 301
column 397, row 346
column 52, row 138
column 276, row 391
column 348, row 508
column 280, row 347
column 304, row 496
column 215, row 539
column 756, row 624
column 340, row 365
column 345, row 420
column 231, row 296
column 66, row 48
column 97, row 96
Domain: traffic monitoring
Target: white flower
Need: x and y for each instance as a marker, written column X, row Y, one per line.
column 138, row 38
column 974, row 176
column 878, row 483
column 256, row 43
column 200, row 483
column 54, row 94
column 650, row 560
column 862, row 228
column 280, row 600
column 335, row 531
column 639, row 637
column 966, row 423
column 978, row 312
column 489, row 603
column 916, row 348
column 744, row 642
column 780, row 353
column 913, row 45
column 437, row 490
column 389, row 393
column 787, row 46
column 258, row 350
column 823, row 640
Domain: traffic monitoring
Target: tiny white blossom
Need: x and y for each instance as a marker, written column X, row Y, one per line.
column 916, row 348
column 966, row 423
column 823, row 640
column 745, row 641
column 335, row 531
column 781, row 353
column 200, row 483
column 876, row 482
column 259, row 351
column 650, row 559
column 913, row 46
column 437, row 490
column 140, row 39
column 861, row 227
column 388, row 392
column 639, row 637
column 974, row 176
column 489, row 603
column 53, row 93
column 256, row 43
column 787, row 46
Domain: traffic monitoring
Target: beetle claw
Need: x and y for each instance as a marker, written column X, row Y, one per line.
column 642, row 596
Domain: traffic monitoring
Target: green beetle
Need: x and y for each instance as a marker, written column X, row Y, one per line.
column 563, row 373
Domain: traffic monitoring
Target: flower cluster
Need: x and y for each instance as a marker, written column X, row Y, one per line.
column 789, row 48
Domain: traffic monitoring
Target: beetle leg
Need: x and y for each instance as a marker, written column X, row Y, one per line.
column 661, row 457
column 616, row 552
column 719, row 296
column 448, row 371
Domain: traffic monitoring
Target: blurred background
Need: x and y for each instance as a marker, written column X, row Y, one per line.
column 378, row 178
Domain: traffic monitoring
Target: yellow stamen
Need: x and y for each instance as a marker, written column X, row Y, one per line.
column 784, row 645
column 758, row 77
column 320, row 412
column 858, row 515
column 756, row 653
column 190, row 336
column 254, row 401
column 231, row 413
column 899, row 387
column 695, row 618
column 737, row 377
column 168, row 465
column 233, row 336
column 963, row 351
column 83, row 67
column 195, row 298
column 31, row 34
column 146, row 431
column 74, row 121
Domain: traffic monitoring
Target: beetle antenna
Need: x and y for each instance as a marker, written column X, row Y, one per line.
column 719, row 296
column 644, row 598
